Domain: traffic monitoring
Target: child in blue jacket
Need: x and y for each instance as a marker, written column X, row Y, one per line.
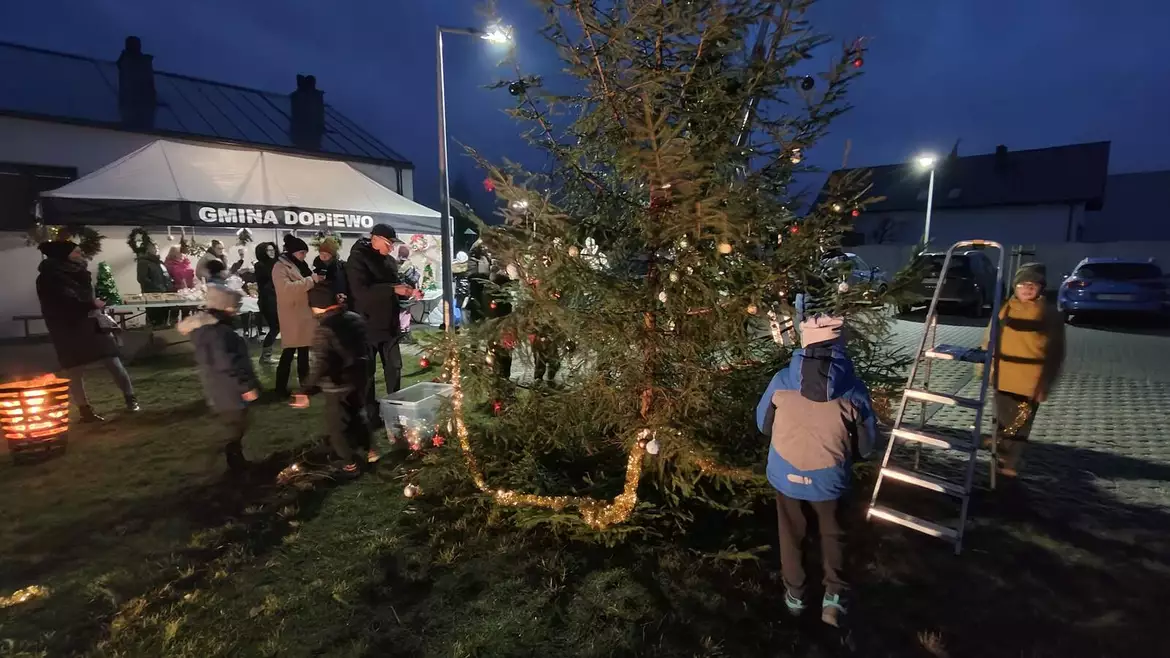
column 819, row 417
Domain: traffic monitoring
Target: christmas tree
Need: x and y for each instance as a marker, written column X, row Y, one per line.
column 106, row 289
column 650, row 260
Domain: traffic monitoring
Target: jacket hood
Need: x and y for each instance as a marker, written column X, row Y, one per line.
column 262, row 249
column 197, row 321
column 820, row 372
column 53, row 265
column 363, row 247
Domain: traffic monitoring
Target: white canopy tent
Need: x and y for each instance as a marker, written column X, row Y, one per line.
column 171, row 183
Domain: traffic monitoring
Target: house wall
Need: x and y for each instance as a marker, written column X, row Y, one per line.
column 1008, row 224
column 88, row 149
column 1059, row 257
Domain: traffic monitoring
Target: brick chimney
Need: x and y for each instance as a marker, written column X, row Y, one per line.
column 137, row 99
column 307, row 124
column 1001, row 158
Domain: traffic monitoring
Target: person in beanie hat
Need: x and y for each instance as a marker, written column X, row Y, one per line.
column 1025, row 364
column 331, row 267
column 292, row 280
column 819, row 417
column 339, row 371
column 225, row 367
column 375, row 291
column 69, row 307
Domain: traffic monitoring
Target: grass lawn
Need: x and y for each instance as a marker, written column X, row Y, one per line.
column 147, row 550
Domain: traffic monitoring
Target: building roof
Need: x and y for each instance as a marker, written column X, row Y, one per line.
column 52, row 86
column 1060, row 174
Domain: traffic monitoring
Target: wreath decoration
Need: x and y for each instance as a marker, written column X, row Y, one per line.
column 321, row 236
column 87, row 238
column 243, row 237
column 139, row 240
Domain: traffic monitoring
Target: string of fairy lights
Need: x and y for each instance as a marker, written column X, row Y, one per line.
column 595, row 512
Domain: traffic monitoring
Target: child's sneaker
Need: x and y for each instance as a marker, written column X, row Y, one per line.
column 350, row 471
column 832, row 610
column 372, row 456
column 795, row 605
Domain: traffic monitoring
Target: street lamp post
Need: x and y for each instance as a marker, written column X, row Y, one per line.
column 927, row 162
column 495, row 34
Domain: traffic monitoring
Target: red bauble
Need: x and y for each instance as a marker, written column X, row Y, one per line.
column 858, row 62
column 856, row 213
column 438, row 441
column 497, row 407
column 493, row 306
column 424, row 363
column 489, row 185
column 794, row 229
column 508, row 341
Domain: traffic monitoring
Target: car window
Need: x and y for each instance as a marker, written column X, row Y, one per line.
column 960, row 265
column 1119, row 271
column 860, row 264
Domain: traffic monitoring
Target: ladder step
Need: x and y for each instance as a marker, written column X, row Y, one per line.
column 923, row 480
column 956, row 353
column 937, row 438
column 913, row 522
column 941, row 398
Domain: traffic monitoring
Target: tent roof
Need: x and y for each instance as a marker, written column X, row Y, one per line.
column 164, row 173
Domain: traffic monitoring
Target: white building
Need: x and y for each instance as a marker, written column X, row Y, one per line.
column 63, row 117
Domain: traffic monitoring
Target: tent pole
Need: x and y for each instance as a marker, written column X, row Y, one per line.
column 447, row 238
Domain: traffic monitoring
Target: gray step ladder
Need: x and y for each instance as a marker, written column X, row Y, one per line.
column 965, row 442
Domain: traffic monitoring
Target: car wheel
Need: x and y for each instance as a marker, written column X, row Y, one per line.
column 904, row 310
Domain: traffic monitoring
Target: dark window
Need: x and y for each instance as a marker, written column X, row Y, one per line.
column 960, row 265
column 20, row 185
column 1119, row 271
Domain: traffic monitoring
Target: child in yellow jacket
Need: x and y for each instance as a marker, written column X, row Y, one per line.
column 1028, row 358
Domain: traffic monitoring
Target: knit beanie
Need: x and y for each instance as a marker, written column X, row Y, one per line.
column 329, row 245
column 57, row 249
column 1031, row 273
column 222, row 298
column 820, row 329
column 293, row 244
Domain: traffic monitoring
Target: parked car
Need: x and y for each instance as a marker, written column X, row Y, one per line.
column 969, row 286
column 859, row 271
column 1113, row 285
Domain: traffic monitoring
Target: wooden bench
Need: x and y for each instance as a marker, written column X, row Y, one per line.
column 27, row 319
column 119, row 316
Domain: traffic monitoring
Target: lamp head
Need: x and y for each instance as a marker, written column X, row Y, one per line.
column 925, row 161
column 497, row 34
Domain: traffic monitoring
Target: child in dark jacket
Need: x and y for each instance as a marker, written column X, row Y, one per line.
column 819, row 417
column 338, row 370
column 225, row 368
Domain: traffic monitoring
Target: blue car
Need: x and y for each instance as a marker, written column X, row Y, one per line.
column 1113, row 285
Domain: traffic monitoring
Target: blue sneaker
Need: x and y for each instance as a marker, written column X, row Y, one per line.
column 795, row 605
column 832, row 610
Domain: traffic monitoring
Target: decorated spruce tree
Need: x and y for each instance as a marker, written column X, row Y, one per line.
column 649, row 262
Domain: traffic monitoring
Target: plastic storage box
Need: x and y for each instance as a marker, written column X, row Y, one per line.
column 413, row 410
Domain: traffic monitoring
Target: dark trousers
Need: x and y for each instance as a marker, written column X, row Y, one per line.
column 158, row 317
column 546, row 358
column 390, row 355
column 793, row 516
column 345, row 420
column 1014, row 415
column 284, row 367
column 268, row 312
column 233, row 424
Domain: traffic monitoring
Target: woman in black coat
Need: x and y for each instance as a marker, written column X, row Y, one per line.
column 68, row 305
column 266, row 253
column 153, row 278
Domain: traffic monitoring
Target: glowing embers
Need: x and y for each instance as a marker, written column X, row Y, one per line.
column 34, row 415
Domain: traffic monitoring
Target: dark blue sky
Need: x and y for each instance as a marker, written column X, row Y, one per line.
column 1025, row 73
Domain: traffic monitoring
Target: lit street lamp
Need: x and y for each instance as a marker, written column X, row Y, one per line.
column 927, row 161
column 496, row 34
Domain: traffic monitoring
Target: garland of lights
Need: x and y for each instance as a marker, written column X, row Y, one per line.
column 598, row 514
